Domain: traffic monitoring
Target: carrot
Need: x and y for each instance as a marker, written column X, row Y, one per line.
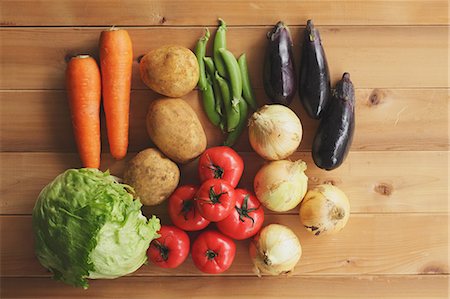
column 116, row 59
column 84, row 92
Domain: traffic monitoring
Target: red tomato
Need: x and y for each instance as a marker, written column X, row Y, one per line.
column 171, row 249
column 246, row 219
column 221, row 162
column 213, row 252
column 215, row 199
column 183, row 211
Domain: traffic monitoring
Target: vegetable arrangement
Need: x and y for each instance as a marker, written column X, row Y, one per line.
column 225, row 84
column 237, row 213
column 85, row 86
column 88, row 225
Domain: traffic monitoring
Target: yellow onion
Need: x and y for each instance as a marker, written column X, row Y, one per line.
column 275, row 250
column 281, row 185
column 324, row 210
column 274, row 132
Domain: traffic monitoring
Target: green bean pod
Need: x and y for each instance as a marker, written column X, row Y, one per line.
column 200, row 50
column 211, row 70
column 234, row 135
column 234, row 74
column 220, row 41
column 232, row 112
column 247, row 90
column 209, row 103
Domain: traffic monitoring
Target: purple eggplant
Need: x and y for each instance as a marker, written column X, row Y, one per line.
column 335, row 133
column 280, row 79
column 314, row 87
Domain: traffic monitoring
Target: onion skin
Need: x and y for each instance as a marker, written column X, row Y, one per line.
column 275, row 132
column 324, row 210
column 275, row 250
column 281, row 185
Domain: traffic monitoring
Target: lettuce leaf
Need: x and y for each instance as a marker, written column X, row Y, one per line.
column 87, row 225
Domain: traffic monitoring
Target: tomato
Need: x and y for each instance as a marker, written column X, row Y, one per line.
column 215, row 199
column 221, row 162
column 183, row 211
column 171, row 249
column 213, row 252
column 246, row 219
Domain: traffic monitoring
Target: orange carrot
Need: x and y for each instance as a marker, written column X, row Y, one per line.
column 116, row 59
column 84, row 92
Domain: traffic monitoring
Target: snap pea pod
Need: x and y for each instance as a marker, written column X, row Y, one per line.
column 232, row 112
column 200, row 50
column 247, row 90
column 234, row 135
column 208, row 103
column 234, row 74
column 211, row 70
column 220, row 41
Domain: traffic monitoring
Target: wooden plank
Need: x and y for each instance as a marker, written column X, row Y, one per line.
column 266, row 12
column 369, row 244
column 377, row 57
column 386, row 119
column 423, row 286
column 375, row 182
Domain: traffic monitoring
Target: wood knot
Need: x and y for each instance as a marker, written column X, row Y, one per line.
column 433, row 269
column 375, row 97
column 384, row 189
column 162, row 20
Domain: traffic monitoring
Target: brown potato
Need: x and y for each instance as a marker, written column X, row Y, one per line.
column 175, row 129
column 170, row 70
column 152, row 176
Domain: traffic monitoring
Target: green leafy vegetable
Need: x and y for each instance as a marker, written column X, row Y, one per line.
column 87, row 225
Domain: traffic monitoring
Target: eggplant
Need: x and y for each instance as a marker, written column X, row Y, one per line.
column 314, row 86
column 335, row 133
column 279, row 77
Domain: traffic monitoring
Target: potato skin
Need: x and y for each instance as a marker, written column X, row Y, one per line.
column 175, row 129
column 170, row 70
column 152, row 176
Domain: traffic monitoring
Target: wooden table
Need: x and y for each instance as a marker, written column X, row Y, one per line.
column 396, row 176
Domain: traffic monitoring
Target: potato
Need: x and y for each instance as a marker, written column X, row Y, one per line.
column 175, row 129
column 153, row 176
column 170, row 70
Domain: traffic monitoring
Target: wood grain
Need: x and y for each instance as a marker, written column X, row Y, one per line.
column 265, row 12
column 375, row 182
column 411, row 244
column 424, row 286
column 386, row 119
column 376, row 57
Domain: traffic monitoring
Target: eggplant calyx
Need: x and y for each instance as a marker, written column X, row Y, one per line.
column 274, row 33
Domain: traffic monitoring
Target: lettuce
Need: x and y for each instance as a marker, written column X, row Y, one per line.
column 87, row 225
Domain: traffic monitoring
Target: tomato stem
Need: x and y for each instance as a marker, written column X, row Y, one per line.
column 244, row 211
column 213, row 196
column 187, row 207
column 163, row 250
column 218, row 171
column 211, row 254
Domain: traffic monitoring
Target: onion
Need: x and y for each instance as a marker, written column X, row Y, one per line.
column 275, row 250
column 281, row 185
column 324, row 210
column 275, row 132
